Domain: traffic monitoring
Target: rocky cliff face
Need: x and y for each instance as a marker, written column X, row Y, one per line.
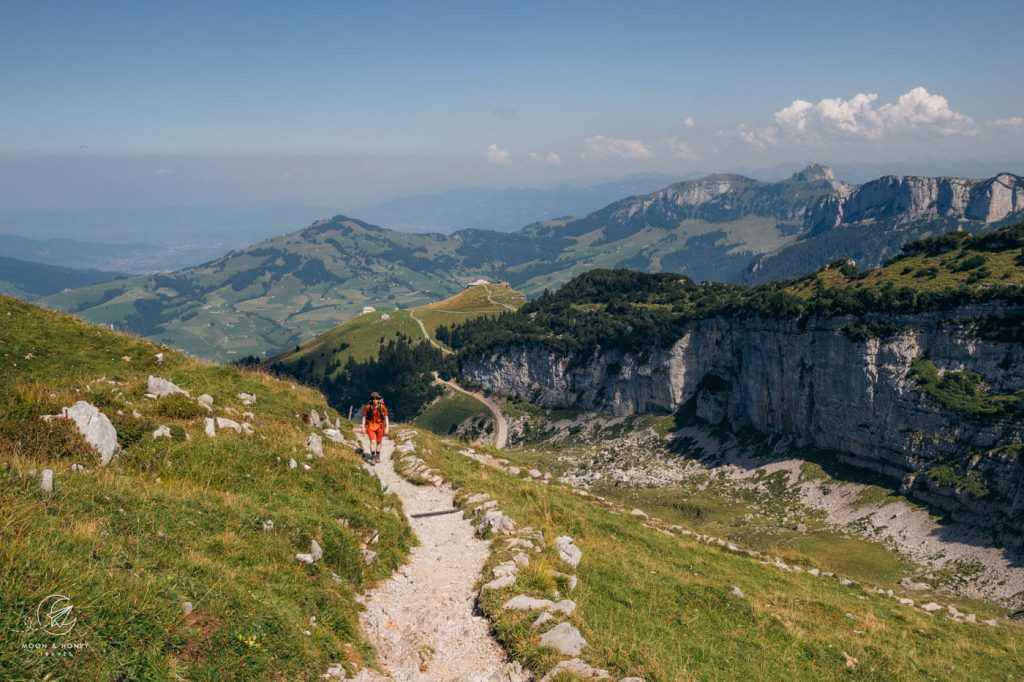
column 905, row 199
column 813, row 383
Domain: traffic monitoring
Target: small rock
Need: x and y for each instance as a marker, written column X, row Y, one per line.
column 159, row 358
column 335, row 672
column 568, row 551
column 160, row 387
column 314, row 555
column 334, row 435
column 186, row 607
column 162, row 432
column 640, row 514
column 523, row 602
column 247, row 398
column 315, row 445
column 908, row 584
column 247, row 429
column 565, row 639
column 737, row 592
column 46, row 481
column 268, row 525
column 506, row 580
column 801, row 528
column 541, row 619
column 931, row 607
column 292, row 464
column 367, row 555
column 496, row 522
column 205, row 400
column 566, row 606
column 533, row 473
column 314, row 419
column 992, row 622
column 906, row 602
column 209, row 427
column 77, row 468
column 225, row 423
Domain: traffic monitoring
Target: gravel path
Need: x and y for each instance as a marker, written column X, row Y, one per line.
column 421, row 620
column 433, row 342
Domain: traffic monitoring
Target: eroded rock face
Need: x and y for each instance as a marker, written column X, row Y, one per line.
column 909, row 198
column 810, row 381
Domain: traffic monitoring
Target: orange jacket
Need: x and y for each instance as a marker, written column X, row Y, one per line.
column 375, row 416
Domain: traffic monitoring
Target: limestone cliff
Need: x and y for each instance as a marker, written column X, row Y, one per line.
column 905, row 199
column 810, row 381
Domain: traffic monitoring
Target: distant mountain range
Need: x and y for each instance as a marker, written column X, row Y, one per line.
column 504, row 210
column 29, row 281
column 731, row 228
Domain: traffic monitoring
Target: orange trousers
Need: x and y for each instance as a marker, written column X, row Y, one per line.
column 375, row 432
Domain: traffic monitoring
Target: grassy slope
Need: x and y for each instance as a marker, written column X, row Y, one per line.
column 360, row 337
column 927, row 272
column 448, row 411
column 170, row 521
column 660, row 606
column 491, row 299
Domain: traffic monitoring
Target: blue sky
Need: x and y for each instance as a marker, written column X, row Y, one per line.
column 417, row 94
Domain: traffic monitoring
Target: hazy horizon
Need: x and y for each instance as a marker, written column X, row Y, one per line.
column 115, row 105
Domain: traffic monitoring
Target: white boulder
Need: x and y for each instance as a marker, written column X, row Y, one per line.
column 160, row 387
column 94, row 426
column 568, row 551
column 565, row 639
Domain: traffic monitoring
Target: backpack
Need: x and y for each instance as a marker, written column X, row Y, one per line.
column 375, row 415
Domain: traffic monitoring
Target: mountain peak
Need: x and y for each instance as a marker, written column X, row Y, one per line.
column 815, row 172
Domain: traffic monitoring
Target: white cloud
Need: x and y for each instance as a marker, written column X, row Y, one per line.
column 535, row 157
column 688, row 122
column 496, row 155
column 554, row 159
column 1011, row 122
column 600, row 146
column 682, row 150
column 859, row 118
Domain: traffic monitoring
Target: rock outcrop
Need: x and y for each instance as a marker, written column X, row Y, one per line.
column 811, row 382
column 908, row 198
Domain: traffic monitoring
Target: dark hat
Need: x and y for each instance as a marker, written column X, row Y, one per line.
column 375, row 395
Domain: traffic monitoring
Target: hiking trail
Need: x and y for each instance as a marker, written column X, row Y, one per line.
column 493, row 302
column 501, row 435
column 422, row 619
column 431, row 339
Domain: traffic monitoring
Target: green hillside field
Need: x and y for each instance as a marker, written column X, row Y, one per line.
column 175, row 520
column 361, row 337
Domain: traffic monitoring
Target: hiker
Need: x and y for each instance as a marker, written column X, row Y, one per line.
column 375, row 424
